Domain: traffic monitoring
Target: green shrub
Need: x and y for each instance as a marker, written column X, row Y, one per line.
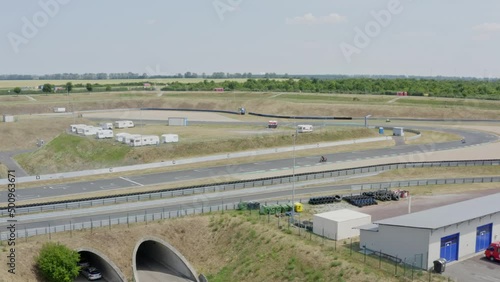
column 58, row 263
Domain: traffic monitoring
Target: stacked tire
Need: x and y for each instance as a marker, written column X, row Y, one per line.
column 360, row 200
column 325, row 200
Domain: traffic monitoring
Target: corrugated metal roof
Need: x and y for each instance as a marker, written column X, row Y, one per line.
column 447, row 215
column 342, row 215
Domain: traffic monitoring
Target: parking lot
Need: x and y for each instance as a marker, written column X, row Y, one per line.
column 475, row 269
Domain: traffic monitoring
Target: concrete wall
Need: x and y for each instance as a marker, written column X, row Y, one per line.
column 467, row 237
column 409, row 244
column 161, row 252
column 108, row 269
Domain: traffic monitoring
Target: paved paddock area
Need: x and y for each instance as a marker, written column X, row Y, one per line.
column 160, row 115
column 475, row 269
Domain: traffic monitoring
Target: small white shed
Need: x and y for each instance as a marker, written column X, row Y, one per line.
column 169, row 138
column 177, row 121
column 398, row 131
column 339, row 224
column 8, row 118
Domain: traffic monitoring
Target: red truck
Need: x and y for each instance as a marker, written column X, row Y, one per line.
column 493, row 251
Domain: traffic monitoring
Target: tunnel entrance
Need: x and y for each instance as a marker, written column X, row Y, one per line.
column 90, row 258
column 157, row 261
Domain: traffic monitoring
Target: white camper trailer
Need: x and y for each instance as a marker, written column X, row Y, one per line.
column 120, row 136
column 81, row 129
column 304, row 128
column 105, row 133
column 91, row 130
column 75, row 126
column 106, row 125
column 124, row 124
column 59, row 110
column 144, row 140
column 128, row 138
column 170, row 138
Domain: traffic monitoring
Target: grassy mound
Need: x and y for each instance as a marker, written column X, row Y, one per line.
column 69, row 152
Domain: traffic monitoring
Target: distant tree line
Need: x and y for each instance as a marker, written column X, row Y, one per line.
column 414, row 87
column 219, row 75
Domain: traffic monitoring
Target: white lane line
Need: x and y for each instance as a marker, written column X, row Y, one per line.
column 29, row 197
column 58, row 187
column 30, row 98
column 131, row 181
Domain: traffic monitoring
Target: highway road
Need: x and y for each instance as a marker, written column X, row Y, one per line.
column 170, row 207
column 472, row 137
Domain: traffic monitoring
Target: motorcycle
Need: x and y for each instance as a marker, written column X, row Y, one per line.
column 322, row 160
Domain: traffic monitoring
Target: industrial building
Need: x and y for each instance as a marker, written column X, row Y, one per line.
column 339, row 224
column 453, row 232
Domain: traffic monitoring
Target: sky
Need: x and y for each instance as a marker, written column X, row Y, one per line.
column 158, row 37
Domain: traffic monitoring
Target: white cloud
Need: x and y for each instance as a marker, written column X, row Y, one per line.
column 482, row 37
column 309, row 18
column 487, row 27
column 151, row 21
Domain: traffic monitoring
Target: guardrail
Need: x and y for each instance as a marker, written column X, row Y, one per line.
column 300, row 117
column 145, row 216
column 233, row 185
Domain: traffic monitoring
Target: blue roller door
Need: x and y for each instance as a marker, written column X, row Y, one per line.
column 449, row 247
column 483, row 237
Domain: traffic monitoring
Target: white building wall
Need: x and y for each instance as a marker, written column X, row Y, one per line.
column 324, row 227
column 467, row 238
column 408, row 244
column 338, row 230
column 346, row 228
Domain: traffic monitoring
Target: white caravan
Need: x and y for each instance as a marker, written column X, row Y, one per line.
column 105, row 133
column 169, row 138
column 124, row 124
column 120, row 136
column 81, row 129
column 126, row 139
column 304, row 128
column 144, row 140
column 106, row 125
column 75, row 126
column 91, row 130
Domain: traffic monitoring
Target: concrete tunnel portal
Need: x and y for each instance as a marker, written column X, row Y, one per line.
column 156, row 260
column 108, row 269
